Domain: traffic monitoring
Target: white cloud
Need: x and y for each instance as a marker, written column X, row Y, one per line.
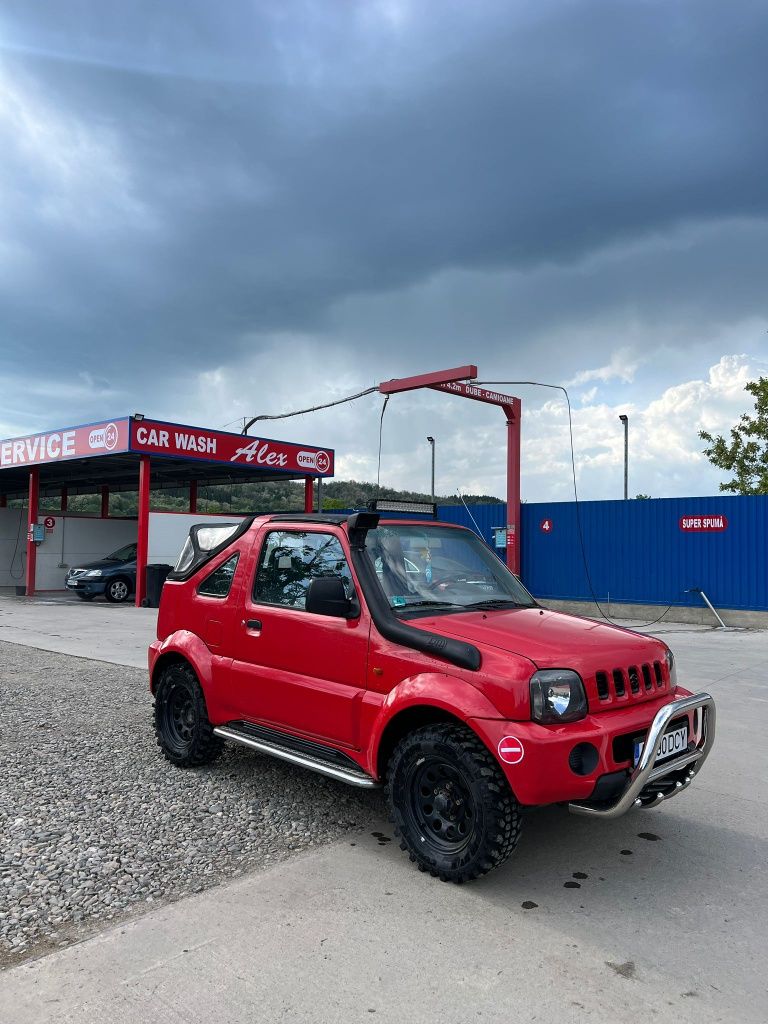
column 623, row 366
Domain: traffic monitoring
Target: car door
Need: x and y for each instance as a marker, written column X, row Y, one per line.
column 292, row 669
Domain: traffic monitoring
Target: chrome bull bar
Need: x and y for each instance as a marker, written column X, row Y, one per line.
column 647, row 772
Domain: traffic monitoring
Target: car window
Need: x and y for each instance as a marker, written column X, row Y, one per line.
column 123, row 554
column 290, row 560
column 219, row 582
column 441, row 569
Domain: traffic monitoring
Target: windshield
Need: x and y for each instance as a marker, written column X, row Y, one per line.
column 124, row 554
column 440, row 568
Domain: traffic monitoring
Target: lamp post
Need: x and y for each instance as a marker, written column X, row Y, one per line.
column 625, row 420
column 432, row 445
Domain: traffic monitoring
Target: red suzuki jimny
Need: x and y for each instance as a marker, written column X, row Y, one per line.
column 403, row 653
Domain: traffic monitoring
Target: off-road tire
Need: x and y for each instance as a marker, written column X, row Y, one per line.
column 475, row 795
column 182, row 727
column 117, row 594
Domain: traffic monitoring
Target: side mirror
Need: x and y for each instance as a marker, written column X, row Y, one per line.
column 326, row 596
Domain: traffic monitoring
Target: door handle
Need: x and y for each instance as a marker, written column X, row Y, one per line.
column 252, row 623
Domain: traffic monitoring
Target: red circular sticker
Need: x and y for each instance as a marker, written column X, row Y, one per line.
column 323, row 462
column 545, row 525
column 49, row 522
column 511, row 750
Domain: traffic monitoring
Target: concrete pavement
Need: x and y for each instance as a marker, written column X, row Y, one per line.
column 662, row 913
column 66, row 625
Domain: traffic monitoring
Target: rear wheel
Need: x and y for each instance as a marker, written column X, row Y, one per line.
column 451, row 804
column 117, row 590
column 184, row 732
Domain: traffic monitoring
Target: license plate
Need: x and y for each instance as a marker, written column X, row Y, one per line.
column 673, row 742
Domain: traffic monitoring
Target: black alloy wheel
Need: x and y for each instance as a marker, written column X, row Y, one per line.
column 184, row 732
column 440, row 803
column 452, row 806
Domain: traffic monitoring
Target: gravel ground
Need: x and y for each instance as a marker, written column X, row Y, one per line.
column 96, row 825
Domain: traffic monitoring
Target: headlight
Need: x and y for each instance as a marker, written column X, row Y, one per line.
column 670, row 659
column 93, row 572
column 557, row 695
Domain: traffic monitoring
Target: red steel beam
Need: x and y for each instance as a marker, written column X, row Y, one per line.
column 427, row 380
column 142, row 544
column 105, row 501
column 455, row 382
column 309, row 494
column 193, row 496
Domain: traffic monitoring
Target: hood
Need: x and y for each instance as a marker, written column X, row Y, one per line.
column 102, row 563
column 549, row 639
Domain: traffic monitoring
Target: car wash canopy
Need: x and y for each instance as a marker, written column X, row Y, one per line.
column 129, row 453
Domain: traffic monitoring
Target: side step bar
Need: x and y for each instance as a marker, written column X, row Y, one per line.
column 352, row 776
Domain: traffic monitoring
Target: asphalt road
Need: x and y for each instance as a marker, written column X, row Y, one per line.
column 662, row 914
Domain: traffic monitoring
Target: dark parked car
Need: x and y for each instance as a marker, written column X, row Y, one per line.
column 114, row 576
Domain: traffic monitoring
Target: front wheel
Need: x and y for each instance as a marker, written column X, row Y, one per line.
column 452, row 806
column 184, row 731
column 117, row 591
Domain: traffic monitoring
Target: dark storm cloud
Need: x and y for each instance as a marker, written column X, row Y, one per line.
column 237, row 169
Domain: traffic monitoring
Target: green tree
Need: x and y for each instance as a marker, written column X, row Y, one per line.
column 642, row 497
column 746, row 454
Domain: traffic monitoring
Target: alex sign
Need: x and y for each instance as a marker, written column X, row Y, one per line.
column 68, row 443
column 703, row 524
column 172, row 440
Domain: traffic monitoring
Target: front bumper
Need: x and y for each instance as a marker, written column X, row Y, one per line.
column 544, row 772
column 91, row 587
column 645, row 787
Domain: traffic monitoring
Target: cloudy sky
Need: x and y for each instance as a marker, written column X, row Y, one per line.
column 210, row 210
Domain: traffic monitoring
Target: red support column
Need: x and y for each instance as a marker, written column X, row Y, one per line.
column 64, row 498
column 104, row 501
column 142, row 545
column 34, row 497
column 3, row 501
column 513, row 413
column 309, row 494
column 193, row 496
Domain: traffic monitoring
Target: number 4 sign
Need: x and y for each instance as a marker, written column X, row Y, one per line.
column 546, row 525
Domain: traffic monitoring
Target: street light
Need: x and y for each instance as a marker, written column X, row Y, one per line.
column 625, row 421
column 432, row 445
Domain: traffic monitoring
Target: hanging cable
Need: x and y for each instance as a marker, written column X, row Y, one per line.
column 381, row 430
column 559, row 387
column 315, row 408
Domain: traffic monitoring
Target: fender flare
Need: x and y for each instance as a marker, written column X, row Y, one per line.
column 189, row 646
column 446, row 693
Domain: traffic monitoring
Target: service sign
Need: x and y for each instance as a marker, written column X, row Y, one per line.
column 104, row 438
column 703, row 524
column 172, row 440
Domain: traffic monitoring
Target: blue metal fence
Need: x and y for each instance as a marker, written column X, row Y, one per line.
column 636, row 550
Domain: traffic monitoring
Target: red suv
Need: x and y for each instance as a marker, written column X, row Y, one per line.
column 403, row 653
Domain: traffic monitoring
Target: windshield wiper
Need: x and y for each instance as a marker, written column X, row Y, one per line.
column 426, row 604
column 494, row 602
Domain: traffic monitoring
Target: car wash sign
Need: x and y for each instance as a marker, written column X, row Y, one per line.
column 173, row 440
column 703, row 524
column 82, row 442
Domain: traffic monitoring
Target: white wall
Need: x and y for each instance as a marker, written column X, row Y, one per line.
column 12, row 526
column 73, row 540
column 169, row 530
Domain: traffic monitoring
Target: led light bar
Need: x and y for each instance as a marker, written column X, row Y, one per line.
column 421, row 508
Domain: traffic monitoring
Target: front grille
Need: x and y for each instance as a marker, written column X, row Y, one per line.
column 626, row 685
